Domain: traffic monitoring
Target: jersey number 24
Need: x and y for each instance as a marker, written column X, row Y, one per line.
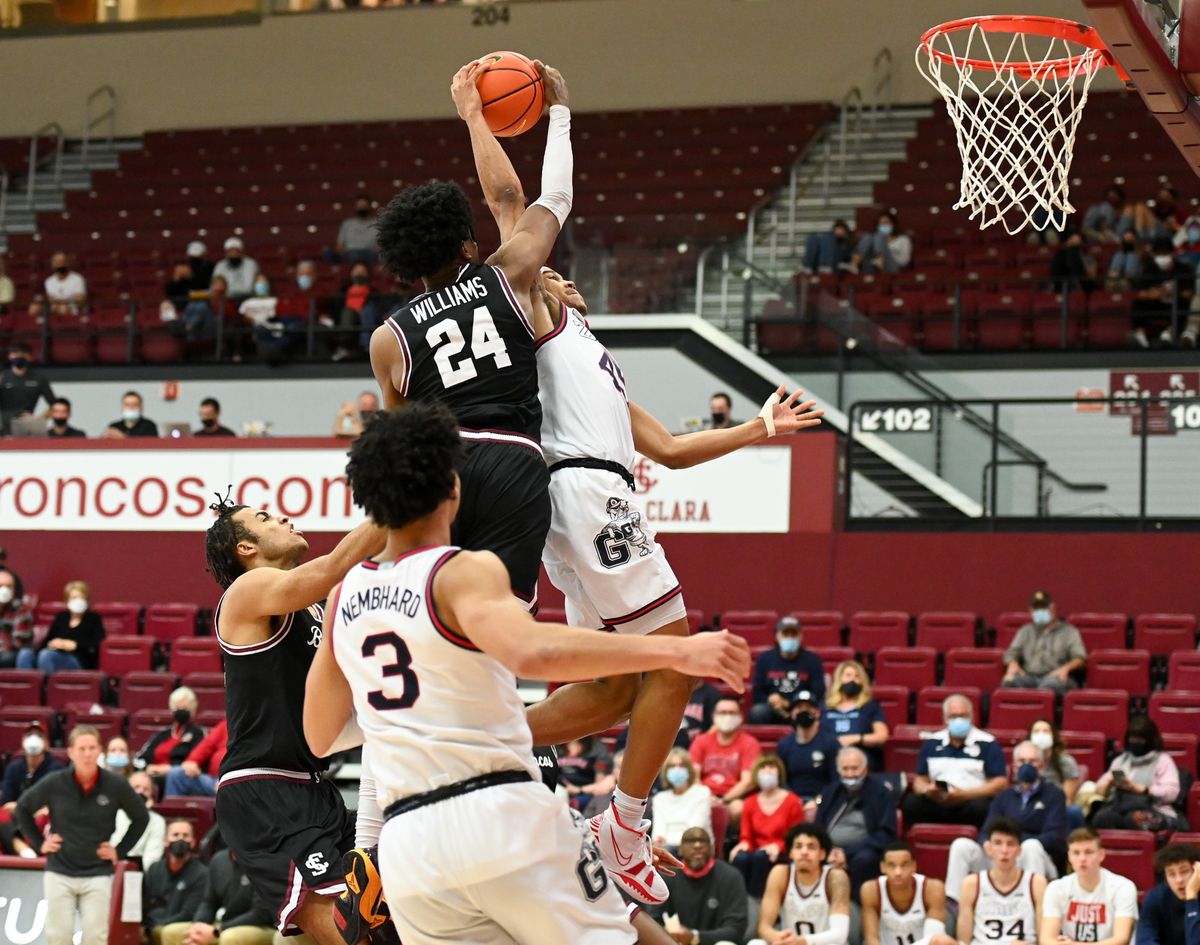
column 447, row 341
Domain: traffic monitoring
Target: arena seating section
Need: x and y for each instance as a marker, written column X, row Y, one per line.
column 647, row 183
column 1149, row 663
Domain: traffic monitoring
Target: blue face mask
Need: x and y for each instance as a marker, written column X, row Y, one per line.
column 1041, row 616
column 305, row 281
column 115, row 762
column 789, row 646
column 958, row 727
column 885, row 229
column 677, row 776
column 1027, row 774
column 262, row 289
column 1194, row 234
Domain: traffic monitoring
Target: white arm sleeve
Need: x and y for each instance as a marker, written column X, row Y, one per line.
column 837, row 934
column 932, row 927
column 558, row 166
column 369, row 822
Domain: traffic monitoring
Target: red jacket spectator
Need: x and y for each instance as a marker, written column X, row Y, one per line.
column 721, row 764
column 211, row 751
column 760, row 829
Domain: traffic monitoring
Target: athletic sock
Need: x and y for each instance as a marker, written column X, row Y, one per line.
column 630, row 810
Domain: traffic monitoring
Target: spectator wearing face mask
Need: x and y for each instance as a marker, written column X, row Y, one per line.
column 810, row 752
column 1045, row 652
column 173, row 887
column 210, row 419
column 853, row 716
column 149, row 847
column 1102, row 221
column 1073, row 267
column 237, row 269
column 1159, row 218
column 60, row 420
column 171, row 745
column 720, row 406
column 858, row 811
column 781, row 672
column 769, row 813
column 21, row 387
column 74, row 638
column 1141, row 785
column 830, row 251
column 199, row 264
column 1164, row 288
column 357, row 306
column 27, row 769
column 65, row 290
column 356, row 241
column 886, row 250
column 684, row 802
column 725, row 756
column 229, row 913
column 1126, row 265
column 16, row 620
column 116, row 757
column 132, row 422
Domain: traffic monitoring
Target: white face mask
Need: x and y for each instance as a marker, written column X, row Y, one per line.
column 6, row 594
column 1042, row 740
column 768, row 779
column 33, row 744
column 727, row 722
column 1163, row 261
column 77, row 605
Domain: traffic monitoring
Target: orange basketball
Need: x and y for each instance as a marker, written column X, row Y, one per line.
column 511, row 90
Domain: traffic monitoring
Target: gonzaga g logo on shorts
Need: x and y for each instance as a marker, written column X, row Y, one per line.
column 623, row 533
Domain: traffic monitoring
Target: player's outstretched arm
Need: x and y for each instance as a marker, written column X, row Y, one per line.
column 788, row 413
column 497, row 176
column 328, row 702
column 472, row 594
column 528, row 248
column 269, row 592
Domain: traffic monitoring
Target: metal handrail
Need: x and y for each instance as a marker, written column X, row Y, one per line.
column 90, row 121
column 50, row 127
column 881, row 79
column 852, row 99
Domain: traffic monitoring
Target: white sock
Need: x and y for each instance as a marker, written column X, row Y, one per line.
column 630, row 810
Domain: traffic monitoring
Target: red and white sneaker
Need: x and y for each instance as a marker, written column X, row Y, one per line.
column 626, row 854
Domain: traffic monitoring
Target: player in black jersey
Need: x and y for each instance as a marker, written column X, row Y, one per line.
column 286, row 824
column 468, row 343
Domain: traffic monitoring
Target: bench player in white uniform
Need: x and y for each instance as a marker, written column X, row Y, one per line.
column 1002, row 905
column 902, row 906
column 422, row 645
column 601, row 552
column 809, row 898
column 1091, row 904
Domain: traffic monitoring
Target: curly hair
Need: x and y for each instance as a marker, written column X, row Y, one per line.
column 402, row 467
column 423, row 228
column 221, row 541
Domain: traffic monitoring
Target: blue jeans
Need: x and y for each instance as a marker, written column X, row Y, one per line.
column 754, row 866
column 180, row 785
column 48, row 661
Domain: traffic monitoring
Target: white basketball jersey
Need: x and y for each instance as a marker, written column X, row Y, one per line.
column 434, row 710
column 585, row 412
column 1004, row 918
column 1090, row 916
column 901, row 928
column 806, row 913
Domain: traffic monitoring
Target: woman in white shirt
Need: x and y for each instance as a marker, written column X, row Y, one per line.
column 684, row 802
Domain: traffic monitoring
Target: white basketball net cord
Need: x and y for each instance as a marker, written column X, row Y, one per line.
column 1016, row 133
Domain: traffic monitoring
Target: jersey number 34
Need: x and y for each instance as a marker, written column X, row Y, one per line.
column 447, row 341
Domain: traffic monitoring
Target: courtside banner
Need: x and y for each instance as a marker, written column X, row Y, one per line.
column 156, row 489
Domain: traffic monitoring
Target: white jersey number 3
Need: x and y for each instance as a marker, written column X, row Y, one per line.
column 485, row 343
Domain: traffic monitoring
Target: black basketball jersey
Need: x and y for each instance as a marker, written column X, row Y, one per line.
column 264, row 695
column 470, row 346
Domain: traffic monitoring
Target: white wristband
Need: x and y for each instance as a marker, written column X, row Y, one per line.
column 767, row 413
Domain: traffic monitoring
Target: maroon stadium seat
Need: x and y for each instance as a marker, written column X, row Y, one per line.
column 119, row 618
column 894, row 702
column 195, row 655
column 870, row 631
column 21, row 686
column 109, row 722
column 971, row 666
column 768, row 735
column 1182, row 747
column 931, row 845
column 1176, row 710
column 145, row 723
column 831, row 656
column 1101, row 631
column 757, row 627
column 199, row 810
column 1130, row 853
column 1088, row 750
column 68, row 685
column 820, row 627
column 1007, row 625
column 1019, row 708
column 912, row 666
column 695, row 619
column 14, row 719
column 1164, row 634
column 1183, row 670
column 1120, row 669
column 1097, row 710
column 1193, row 804
column 171, row 621
column 143, row 689
column 902, row 749
column 931, row 698
column 943, row 630
column 209, row 689
column 551, row 615
column 210, row 718
column 121, row 655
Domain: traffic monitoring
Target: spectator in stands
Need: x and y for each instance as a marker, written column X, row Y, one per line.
column 25, row 770
column 171, row 745
column 584, row 770
column 1092, row 904
column 173, row 888
column 886, row 250
column 1046, row 651
column 707, row 897
column 237, row 269
column 769, row 813
column 1159, row 218
column 210, row 419
column 684, row 802
column 132, row 423
column 1058, row 766
column 356, row 240
column 83, row 800
column 199, row 317
column 810, row 753
column 150, row 847
column 356, row 306
column 352, row 417
column 199, row 264
column 198, row 773
column 1187, row 241
column 16, row 621
column 853, row 716
column 20, row 589
column 74, row 638
column 720, row 406
column 1102, row 221
column 116, row 757
column 65, row 291
column 781, row 672
column 1125, row 267
column 830, row 251
column 179, row 288
column 60, row 420
column 725, row 756
column 1141, row 785
column 859, row 812
column 7, row 290
column 698, row 713
column 1073, row 267
column 1164, row 289
column 1037, row 807
column 20, row 387
column 229, row 910
column 960, row 769
column 272, row 335
column 1162, row 918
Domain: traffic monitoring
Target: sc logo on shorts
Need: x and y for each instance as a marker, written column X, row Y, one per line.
column 316, row 864
column 623, row 533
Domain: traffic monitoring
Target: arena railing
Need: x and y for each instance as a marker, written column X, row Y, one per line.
column 52, row 162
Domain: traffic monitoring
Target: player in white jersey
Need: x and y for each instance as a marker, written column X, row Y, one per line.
column 809, row 898
column 422, row 644
column 601, row 551
column 1091, row 904
column 1001, row 905
column 902, row 906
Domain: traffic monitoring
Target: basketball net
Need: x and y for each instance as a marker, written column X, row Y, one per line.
column 1015, row 99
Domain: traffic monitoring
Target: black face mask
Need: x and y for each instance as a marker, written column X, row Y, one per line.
column 181, row 716
column 209, row 422
column 1137, row 746
column 360, row 280
column 18, row 363
column 62, row 270
column 363, row 212
column 1129, row 245
column 719, row 418
column 59, row 421
column 851, row 689
column 179, row 849
column 234, row 262
column 804, row 719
